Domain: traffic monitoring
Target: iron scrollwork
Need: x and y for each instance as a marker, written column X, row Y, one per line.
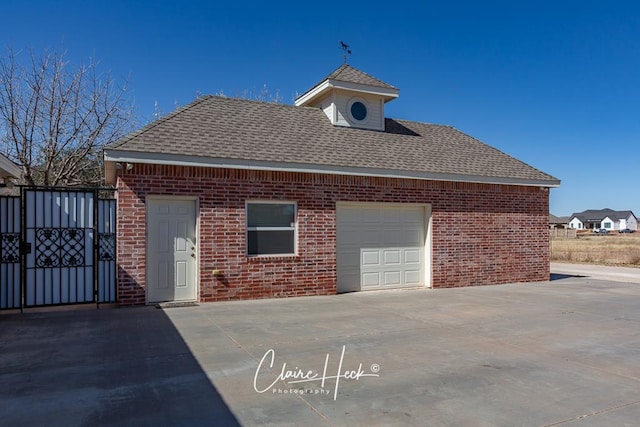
column 9, row 248
column 107, row 247
column 59, row 247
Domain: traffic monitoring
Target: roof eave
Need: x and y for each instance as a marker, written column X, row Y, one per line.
column 330, row 84
column 112, row 157
column 8, row 169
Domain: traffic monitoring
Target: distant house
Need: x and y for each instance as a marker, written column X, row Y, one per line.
column 8, row 169
column 604, row 218
column 558, row 221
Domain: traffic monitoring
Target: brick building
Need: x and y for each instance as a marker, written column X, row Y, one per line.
column 236, row 199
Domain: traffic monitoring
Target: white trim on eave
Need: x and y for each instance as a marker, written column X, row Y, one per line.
column 120, row 156
column 324, row 87
column 8, row 169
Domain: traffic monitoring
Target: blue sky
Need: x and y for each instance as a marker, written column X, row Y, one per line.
column 553, row 83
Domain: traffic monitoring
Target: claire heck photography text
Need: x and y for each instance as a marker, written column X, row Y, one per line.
column 301, row 380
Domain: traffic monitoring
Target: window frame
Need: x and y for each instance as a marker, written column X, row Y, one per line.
column 293, row 228
column 364, row 102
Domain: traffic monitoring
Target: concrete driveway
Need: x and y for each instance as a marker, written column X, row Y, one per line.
column 565, row 352
column 601, row 272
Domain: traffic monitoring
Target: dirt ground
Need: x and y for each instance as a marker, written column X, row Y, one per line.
column 621, row 249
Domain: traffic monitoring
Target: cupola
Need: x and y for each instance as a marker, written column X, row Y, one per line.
column 350, row 98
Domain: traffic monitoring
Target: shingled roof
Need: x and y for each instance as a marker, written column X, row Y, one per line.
column 346, row 73
column 592, row 215
column 219, row 131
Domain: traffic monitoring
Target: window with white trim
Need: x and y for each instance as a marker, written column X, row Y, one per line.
column 271, row 228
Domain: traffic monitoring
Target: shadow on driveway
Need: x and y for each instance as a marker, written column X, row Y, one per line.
column 102, row 367
column 558, row 276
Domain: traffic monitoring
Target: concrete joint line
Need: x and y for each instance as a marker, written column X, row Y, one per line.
column 591, row 414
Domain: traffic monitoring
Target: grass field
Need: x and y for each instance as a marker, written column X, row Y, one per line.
column 610, row 249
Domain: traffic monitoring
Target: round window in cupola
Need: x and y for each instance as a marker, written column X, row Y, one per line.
column 357, row 109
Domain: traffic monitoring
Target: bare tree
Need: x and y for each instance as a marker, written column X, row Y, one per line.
column 54, row 120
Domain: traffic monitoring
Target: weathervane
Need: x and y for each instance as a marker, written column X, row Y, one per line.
column 346, row 51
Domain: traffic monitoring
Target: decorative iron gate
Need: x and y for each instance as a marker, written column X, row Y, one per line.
column 57, row 246
column 10, row 272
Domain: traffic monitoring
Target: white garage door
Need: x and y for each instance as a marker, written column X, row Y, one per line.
column 380, row 246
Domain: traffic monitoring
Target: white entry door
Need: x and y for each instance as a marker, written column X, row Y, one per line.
column 171, row 250
column 380, row 246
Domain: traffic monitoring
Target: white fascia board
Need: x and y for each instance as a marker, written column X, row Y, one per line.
column 211, row 162
column 8, row 169
column 329, row 84
column 314, row 93
column 388, row 93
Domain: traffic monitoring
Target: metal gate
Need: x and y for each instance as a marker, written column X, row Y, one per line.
column 57, row 246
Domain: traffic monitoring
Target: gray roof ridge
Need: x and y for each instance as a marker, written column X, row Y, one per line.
column 333, row 76
column 603, row 212
column 159, row 121
column 422, row 123
column 337, row 72
column 258, row 101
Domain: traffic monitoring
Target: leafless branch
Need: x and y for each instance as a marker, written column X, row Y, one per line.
column 55, row 119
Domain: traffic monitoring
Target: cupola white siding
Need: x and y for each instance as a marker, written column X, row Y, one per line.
column 341, row 90
column 375, row 110
column 336, row 107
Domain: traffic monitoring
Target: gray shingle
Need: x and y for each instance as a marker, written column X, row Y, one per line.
column 346, row 73
column 238, row 129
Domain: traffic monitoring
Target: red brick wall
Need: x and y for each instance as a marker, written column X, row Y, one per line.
column 481, row 233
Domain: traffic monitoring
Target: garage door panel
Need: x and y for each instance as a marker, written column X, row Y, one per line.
column 380, row 246
column 389, row 216
column 392, row 257
column 370, row 258
column 412, row 236
column 412, row 256
column 349, row 216
column 370, row 279
column 413, row 277
column 393, row 237
column 398, row 267
column 351, row 236
column 392, row 278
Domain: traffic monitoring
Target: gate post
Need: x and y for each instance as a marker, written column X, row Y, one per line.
column 96, row 245
column 23, row 249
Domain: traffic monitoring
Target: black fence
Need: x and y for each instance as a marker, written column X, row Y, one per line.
column 57, row 247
